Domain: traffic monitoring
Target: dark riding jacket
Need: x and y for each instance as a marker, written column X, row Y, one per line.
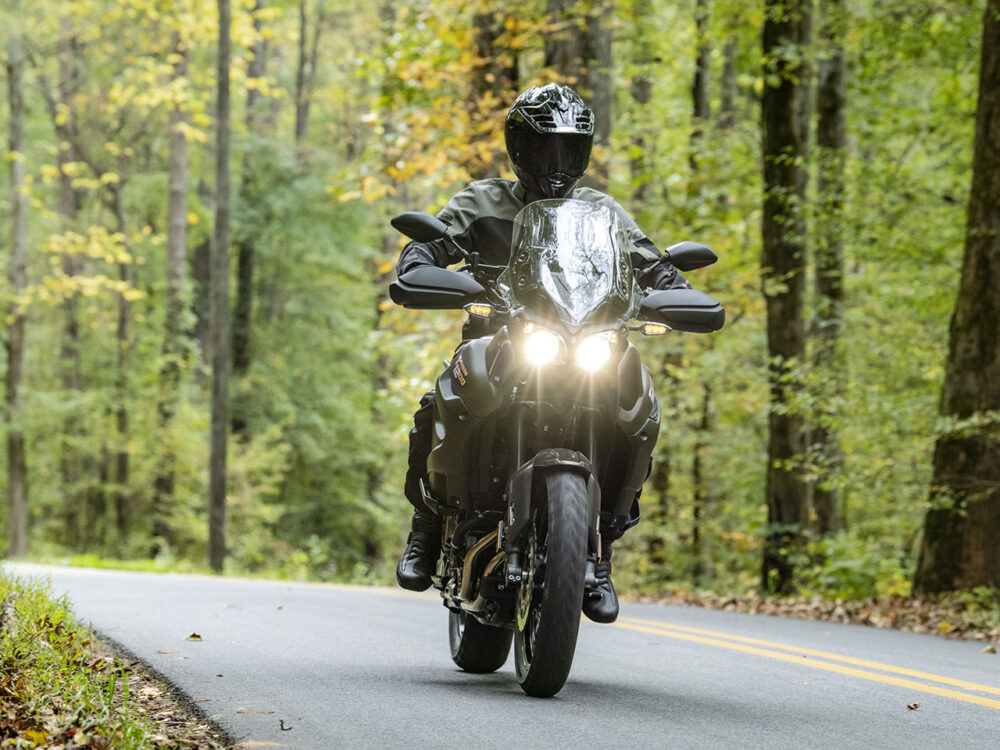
column 481, row 219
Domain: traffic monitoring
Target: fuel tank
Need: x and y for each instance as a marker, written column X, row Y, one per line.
column 472, row 398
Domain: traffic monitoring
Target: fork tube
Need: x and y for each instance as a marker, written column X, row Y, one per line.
column 517, row 438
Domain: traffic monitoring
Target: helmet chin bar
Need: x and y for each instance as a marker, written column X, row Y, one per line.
column 558, row 185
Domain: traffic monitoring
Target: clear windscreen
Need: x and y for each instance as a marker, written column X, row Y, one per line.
column 569, row 257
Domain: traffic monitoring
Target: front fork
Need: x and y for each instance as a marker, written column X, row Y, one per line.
column 520, row 491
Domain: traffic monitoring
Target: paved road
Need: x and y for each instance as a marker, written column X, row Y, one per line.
column 351, row 667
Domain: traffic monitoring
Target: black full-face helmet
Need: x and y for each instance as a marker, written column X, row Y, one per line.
column 549, row 132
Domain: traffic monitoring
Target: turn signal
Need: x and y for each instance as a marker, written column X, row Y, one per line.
column 654, row 329
column 479, row 309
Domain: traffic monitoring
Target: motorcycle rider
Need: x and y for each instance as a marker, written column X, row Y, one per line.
column 548, row 131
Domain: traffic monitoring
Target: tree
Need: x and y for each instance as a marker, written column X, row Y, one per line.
column 305, row 76
column 220, row 302
column 828, row 354
column 962, row 526
column 578, row 48
column 641, row 88
column 494, row 80
column 17, row 480
column 174, row 344
column 249, row 194
column 783, row 266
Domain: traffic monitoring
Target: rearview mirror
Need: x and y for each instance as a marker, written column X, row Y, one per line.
column 690, row 256
column 419, row 226
column 683, row 310
column 433, row 288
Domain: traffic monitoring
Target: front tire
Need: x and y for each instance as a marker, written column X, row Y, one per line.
column 552, row 587
column 475, row 647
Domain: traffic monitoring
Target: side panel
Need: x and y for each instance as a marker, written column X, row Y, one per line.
column 638, row 428
column 469, row 403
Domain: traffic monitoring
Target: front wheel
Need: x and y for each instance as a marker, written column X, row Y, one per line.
column 551, row 594
column 476, row 647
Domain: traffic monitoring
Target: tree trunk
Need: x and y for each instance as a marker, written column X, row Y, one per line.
column 494, row 79
column 173, row 326
column 701, row 109
column 123, row 340
column 220, row 304
column 201, row 272
column 17, row 473
column 640, row 163
column 730, row 82
column 578, row 47
column 960, row 548
column 243, row 310
column 699, row 546
column 71, row 377
column 828, row 355
column 783, row 266
column 305, row 75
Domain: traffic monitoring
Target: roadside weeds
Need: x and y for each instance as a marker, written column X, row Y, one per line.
column 62, row 688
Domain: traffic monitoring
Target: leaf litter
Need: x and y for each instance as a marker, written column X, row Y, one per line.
column 949, row 616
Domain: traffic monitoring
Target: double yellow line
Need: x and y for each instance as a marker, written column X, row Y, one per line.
column 831, row 662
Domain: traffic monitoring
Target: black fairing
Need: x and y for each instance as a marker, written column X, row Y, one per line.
column 683, row 310
column 433, row 288
column 419, row 226
column 690, row 256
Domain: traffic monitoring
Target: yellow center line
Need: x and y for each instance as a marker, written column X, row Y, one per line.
column 826, row 666
column 825, row 655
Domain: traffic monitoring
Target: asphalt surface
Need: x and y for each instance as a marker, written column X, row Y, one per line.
column 352, row 667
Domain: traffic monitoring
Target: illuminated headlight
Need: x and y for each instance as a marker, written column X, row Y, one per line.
column 594, row 351
column 541, row 347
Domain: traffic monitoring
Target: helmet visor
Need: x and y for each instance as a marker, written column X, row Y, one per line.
column 541, row 154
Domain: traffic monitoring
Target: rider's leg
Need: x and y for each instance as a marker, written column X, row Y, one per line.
column 424, row 542
column 600, row 602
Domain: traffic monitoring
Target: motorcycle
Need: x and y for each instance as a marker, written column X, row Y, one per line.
column 543, row 430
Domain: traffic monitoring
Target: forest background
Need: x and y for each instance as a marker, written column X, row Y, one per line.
column 345, row 114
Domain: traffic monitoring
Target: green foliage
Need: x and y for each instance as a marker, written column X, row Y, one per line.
column 52, row 689
column 315, row 483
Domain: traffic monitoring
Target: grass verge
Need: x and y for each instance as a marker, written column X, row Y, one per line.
column 61, row 687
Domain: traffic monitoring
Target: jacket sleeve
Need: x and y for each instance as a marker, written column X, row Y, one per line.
column 460, row 211
column 416, row 254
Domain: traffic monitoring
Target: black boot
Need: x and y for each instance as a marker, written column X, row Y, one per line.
column 600, row 603
column 422, row 549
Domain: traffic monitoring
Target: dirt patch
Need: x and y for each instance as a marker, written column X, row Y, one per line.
column 179, row 723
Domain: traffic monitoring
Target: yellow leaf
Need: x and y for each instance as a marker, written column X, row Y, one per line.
column 944, row 627
column 193, row 218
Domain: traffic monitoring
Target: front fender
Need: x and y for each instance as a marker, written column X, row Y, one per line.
column 521, row 494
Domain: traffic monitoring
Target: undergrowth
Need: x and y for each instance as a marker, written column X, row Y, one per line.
column 55, row 690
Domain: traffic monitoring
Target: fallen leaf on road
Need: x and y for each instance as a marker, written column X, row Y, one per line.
column 251, row 711
column 218, row 675
column 166, row 652
column 193, row 637
column 990, row 650
column 283, row 727
column 913, row 706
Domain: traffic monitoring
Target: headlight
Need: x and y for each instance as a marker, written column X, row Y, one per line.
column 594, row 351
column 541, row 347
